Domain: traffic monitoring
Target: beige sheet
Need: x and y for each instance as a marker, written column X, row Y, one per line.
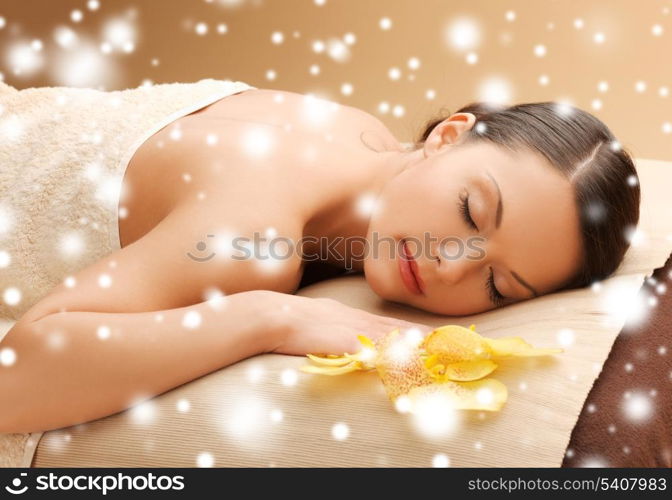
column 247, row 415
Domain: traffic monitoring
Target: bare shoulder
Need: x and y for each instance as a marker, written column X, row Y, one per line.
column 280, row 107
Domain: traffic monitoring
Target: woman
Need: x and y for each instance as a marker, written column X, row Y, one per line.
column 493, row 205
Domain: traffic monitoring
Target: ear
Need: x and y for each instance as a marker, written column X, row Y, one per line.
column 448, row 132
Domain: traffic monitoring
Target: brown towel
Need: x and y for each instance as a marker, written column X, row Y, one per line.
column 624, row 424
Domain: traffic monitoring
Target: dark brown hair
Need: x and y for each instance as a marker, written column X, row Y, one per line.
column 583, row 149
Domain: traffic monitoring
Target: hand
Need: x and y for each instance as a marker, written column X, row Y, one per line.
column 326, row 326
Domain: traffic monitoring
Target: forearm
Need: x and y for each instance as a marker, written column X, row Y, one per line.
column 73, row 367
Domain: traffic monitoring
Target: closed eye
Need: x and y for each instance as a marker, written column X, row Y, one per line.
column 495, row 297
column 463, row 204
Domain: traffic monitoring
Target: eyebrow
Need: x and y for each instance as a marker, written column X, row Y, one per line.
column 500, row 209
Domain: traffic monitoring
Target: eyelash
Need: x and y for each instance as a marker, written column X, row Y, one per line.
column 496, row 297
column 463, row 204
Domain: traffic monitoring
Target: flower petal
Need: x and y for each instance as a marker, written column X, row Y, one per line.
column 338, row 361
column 487, row 394
column 516, row 346
column 332, row 370
column 469, row 370
column 453, row 343
column 366, row 341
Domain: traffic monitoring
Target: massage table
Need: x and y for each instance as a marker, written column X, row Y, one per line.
column 565, row 410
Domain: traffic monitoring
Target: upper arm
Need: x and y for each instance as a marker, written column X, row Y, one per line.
column 156, row 272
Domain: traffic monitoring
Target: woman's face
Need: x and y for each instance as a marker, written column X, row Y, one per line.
column 471, row 216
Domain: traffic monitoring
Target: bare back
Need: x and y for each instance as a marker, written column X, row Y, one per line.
column 208, row 164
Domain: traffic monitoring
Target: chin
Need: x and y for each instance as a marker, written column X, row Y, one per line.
column 374, row 274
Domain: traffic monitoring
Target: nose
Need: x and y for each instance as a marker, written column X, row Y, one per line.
column 456, row 262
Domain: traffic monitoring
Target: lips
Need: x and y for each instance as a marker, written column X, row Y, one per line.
column 408, row 269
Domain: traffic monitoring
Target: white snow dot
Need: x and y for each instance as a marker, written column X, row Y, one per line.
column 667, row 128
column 398, row 110
column 663, row 91
column 383, row 107
column 276, row 415
column 603, row 86
column 104, row 281
column 93, row 4
column 318, row 46
column 543, row 80
column 340, row 431
column 394, row 73
column 540, row 50
column 183, row 405
column 346, row 89
column 430, row 94
column 385, row 23
column 191, row 319
column 222, row 28
column 12, row 296
column 76, row 15
column 211, row 139
column 70, row 282
column 103, row 332
column 7, row 356
column 314, row 69
column 71, row 244
column 3, row 23
column 403, row 404
column 5, row 258
column 349, row 38
column 289, row 376
column 598, row 38
column 662, row 350
column 277, row 37
column 201, row 28
column 596, row 104
column 640, row 86
column 414, row 63
column 271, row 74
column 462, row 34
column 440, row 461
column 472, row 58
column 485, row 396
column 510, row 15
column 176, row 134
column 578, row 23
column 657, row 30
column 637, row 407
column 480, row 128
column 565, row 337
column 205, row 459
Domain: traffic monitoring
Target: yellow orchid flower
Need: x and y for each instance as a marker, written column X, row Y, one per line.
column 452, row 362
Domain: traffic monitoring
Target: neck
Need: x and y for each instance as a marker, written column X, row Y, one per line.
column 337, row 228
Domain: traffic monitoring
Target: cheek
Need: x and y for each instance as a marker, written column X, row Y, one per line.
column 379, row 277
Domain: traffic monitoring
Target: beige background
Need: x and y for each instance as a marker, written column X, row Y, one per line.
column 574, row 63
